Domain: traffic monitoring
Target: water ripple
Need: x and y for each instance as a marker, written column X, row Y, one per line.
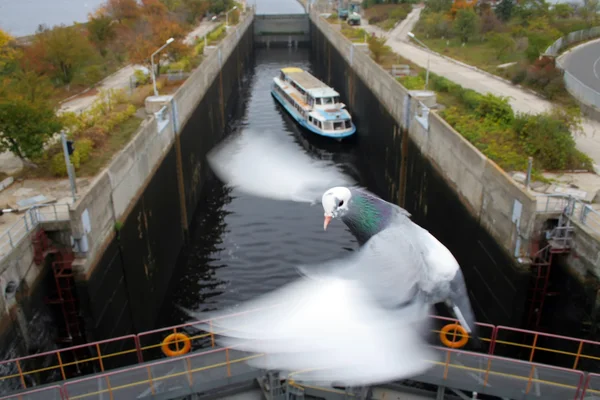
column 243, row 246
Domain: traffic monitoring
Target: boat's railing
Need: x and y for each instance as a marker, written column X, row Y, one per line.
column 58, row 365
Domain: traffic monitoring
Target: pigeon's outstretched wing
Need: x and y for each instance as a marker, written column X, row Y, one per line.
column 261, row 164
column 352, row 323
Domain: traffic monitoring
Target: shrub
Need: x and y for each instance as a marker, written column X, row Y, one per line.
column 378, row 48
column 413, row 82
column 376, row 19
column 497, row 109
column 217, row 34
column 96, row 134
column 182, row 65
column 489, row 123
column 84, row 148
column 399, row 14
column 58, row 166
column 140, row 77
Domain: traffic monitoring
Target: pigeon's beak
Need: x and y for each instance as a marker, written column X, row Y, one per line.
column 326, row 222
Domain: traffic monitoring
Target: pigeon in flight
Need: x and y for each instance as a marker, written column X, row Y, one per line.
column 357, row 320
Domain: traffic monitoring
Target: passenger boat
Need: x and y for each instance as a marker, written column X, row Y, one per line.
column 312, row 103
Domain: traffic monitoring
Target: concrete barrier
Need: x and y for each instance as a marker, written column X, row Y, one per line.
column 96, row 216
column 505, row 210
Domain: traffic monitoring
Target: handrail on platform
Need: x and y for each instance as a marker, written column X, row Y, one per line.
column 149, row 375
column 144, row 347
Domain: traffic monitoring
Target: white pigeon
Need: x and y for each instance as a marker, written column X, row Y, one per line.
column 338, row 322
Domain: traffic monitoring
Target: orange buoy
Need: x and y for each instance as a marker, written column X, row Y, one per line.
column 458, row 331
column 176, row 337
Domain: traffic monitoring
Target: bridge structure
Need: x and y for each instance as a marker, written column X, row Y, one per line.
column 147, row 366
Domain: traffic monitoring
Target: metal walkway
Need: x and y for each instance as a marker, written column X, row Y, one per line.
column 202, row 372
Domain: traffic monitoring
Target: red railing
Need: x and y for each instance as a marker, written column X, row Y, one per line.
column 528, row 346
column 455, row 366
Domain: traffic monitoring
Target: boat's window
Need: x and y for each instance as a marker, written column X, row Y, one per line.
column 318, row 101
column 348, row 123
column 327, row 100
column 282, row 77
column 336, row 99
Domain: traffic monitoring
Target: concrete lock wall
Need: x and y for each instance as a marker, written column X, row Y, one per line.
column 449, row 187
column 484, row 188
column 132, row 223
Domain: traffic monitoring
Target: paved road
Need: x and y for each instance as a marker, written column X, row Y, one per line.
column 584, row 63
column 471, row 78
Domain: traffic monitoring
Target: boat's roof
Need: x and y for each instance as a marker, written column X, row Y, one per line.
column 322, row 92
column 312, row 85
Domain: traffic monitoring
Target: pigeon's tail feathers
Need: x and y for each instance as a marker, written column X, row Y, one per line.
column 331, row 329
column 461, row 305
column 265, row 165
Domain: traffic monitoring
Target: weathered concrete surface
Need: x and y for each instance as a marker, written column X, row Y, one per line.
column 491, row 195
column 287, row 29
column 96, row 216
column 585, row 254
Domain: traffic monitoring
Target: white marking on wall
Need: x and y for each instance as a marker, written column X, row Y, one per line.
column 85, row 221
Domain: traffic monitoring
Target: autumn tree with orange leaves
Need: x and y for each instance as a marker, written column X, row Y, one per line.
column 60, row 52
column 153, row 28
column 462, row 5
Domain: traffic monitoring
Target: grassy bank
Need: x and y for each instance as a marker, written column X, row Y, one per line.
column 513, row 33
column 491, row 125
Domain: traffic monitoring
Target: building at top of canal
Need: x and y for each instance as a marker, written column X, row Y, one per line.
column 282, row 30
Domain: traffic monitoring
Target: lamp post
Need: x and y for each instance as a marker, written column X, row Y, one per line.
column 412, row 36
column 171, row 40
column 227, row 16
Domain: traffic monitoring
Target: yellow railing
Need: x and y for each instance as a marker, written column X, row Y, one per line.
column 146, row 346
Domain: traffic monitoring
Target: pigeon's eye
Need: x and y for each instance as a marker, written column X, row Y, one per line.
column 341, row 203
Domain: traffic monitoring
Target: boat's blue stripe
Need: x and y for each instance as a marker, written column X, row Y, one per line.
column 333, row 116
column 303, row 122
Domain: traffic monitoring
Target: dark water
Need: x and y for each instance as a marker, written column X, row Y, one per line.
column 241, row 245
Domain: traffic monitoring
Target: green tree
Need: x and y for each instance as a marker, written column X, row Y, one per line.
column 195, row 9
column 30, row 86
column 503, row 43
column 538, row 43
column 172, row 5
column 219, row 6
column 465, row 24
column 62, row 52
column 504, row 9
column 562, row 10
column 101, row 31
column 436, row 25
column 439, row 5
column 8, row 53
column 378, row 48
column 25, row 127
column 589, row 11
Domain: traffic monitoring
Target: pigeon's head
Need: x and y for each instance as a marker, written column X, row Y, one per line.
column 335, row 203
